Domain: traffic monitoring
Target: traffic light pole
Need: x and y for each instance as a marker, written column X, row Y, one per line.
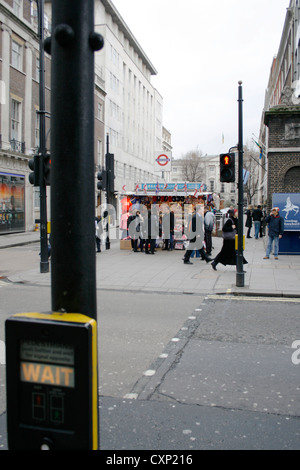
column 107, row 242
column 44, row 262
column 240, row 274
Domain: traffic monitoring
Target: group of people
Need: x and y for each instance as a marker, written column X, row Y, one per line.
column 145, row 226
column 260, row 220
column 256, row 216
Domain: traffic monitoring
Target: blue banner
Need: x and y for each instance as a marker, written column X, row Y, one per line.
column 170, row 187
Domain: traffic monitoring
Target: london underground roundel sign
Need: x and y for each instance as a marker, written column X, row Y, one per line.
column 162, row 161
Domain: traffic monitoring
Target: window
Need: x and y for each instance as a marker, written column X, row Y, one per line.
column 16, row 55
column 114, row 56
column 15, row 128
column 37, row 68
column 37, row 131
column 17, row 4
column 100, row 111
column 99, row 152
column 114, row 111
column 114, row 83
column 212, row 185
column 36, row 198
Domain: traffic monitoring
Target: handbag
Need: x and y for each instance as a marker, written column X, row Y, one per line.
column 229, row 235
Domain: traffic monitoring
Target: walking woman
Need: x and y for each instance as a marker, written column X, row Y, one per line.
column 227, row 254
column 248, row 223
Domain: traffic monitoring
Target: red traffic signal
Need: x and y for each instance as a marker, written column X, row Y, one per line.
column 227, row 168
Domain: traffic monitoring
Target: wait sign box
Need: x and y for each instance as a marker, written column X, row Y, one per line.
column 52, row 382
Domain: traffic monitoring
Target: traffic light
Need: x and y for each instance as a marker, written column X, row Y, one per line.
column 47, row 168
column 34, row 165
column 110, row 168
column 227, row 168
column 102, row 183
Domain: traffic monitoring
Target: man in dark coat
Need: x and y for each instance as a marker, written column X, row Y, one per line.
column 276, row 229
column 257, row 216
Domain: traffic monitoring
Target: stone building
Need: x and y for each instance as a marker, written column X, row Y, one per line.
column 283, row 124
column 279, row 138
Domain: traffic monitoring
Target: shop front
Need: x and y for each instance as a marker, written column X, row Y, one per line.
column 12, row 203
column 162, row 198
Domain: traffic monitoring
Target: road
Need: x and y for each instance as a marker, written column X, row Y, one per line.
column 182, row 364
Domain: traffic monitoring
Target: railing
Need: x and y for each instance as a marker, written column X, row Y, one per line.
column 17, row 146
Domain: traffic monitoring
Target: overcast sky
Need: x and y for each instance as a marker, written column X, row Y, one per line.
column 201, row 49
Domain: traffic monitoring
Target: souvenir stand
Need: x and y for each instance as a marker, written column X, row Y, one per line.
column 181, row 198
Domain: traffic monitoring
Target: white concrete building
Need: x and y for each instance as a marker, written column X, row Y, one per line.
column 133, row 107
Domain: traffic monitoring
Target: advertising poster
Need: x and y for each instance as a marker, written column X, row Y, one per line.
column 289, row 206
column 12, row 203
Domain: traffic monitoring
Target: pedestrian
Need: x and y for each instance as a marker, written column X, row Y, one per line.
column 228, row 212
column 123, row 225
column 152, row 224
column 209, row 220
column 262, row 231
column 227, row 255
column 168, row 224
column 248, row 223
column 257, row 216
column 99, row 231
column 276, row 229
column 129, row 227
column 134, row 229
column 196, row 236
column 143, row 229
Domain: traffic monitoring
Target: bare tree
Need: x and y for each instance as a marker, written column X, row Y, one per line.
column 192, row 169
column 251, row 163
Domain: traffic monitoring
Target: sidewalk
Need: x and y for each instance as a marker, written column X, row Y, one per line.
column 165, row 272
column 196, row 397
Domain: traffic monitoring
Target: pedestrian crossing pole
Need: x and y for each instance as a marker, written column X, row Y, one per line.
column 73, row 267
column 240, row 274
column 52, row 358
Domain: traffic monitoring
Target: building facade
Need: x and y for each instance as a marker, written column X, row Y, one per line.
column 128, row 109
column 281, row 105
column 19, row 119
column 133, row 115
